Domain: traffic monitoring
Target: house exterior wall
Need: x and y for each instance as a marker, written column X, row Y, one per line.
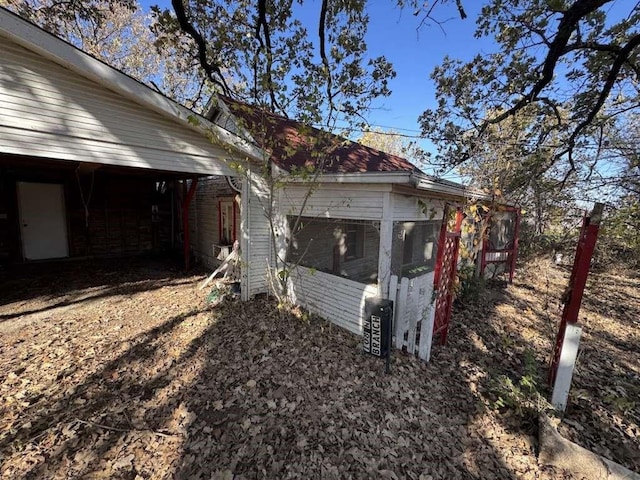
column 341, row 300
column 256, row 238
column 51, row 112
column 337, row 299
column 204, row 218
column 410, row 208
column 350, row 202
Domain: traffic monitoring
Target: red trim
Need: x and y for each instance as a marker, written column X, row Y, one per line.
column 459, row 219
column 234, row 213
column 185, row 220
column 441, row 240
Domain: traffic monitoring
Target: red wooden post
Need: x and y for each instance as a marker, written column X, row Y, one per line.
column 459, row 219
column 485, row 246
column 185, row 220
column 444, row 277
column 572, row 297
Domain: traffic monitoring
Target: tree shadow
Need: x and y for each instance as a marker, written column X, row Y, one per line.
column 602, row 414
column 253, row 391
column 53, row 279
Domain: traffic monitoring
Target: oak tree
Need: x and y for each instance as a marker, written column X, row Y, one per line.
column 573, row 66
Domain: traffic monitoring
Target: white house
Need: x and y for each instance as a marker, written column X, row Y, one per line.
column 369, row 224
column 92, row 162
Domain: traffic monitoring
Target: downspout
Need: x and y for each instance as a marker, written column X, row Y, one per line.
column 185, row 221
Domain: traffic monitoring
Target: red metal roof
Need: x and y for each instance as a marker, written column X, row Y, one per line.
column 293, row 145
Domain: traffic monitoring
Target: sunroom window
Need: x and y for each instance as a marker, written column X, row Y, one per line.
column 348, row 248
column 414, row 248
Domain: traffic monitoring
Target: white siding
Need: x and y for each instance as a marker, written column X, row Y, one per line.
column 353, row 202
column 204, row 213
column 339, row 300
column 410, row 208
column 49, row 111
column 258, row 235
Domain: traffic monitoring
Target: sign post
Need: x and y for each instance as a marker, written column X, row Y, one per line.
column 568, row 338
column 376, row 328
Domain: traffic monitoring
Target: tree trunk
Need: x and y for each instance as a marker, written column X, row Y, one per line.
column 561, row 453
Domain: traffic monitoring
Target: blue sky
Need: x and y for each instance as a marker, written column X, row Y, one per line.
column 414, row 54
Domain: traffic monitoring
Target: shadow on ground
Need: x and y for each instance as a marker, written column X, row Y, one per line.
column 148, row 382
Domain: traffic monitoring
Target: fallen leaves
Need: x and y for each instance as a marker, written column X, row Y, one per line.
column 145, row 382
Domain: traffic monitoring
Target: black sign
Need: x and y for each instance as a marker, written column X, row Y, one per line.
column 376, row 331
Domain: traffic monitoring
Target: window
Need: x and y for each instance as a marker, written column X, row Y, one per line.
column 414, row 248
column 354, row 241
column 227, row 218
column 343, row 247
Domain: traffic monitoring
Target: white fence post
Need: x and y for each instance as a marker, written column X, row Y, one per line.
column 566, row 365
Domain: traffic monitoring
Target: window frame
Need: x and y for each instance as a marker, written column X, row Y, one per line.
column 359, row 241
column 225, row 202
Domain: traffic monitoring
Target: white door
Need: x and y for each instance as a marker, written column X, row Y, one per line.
column 42, row 220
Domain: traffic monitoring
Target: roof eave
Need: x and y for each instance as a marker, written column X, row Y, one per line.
column 446, row 187
column 360, row 177
column 59, row 51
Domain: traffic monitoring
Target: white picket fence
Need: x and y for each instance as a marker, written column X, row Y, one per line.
column 413, row 313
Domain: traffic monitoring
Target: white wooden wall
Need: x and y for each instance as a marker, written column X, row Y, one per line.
column 351, row 202
column 256, row 235
column 337, row 299
column 409, row 208
column 203, row 218
column 49, row 111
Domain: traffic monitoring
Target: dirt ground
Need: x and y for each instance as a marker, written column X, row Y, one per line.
column 120, row 370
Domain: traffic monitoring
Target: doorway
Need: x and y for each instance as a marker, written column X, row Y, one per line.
column 43, row 224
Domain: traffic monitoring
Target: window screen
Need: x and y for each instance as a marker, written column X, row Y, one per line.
column 343, row 247
column 414, row 248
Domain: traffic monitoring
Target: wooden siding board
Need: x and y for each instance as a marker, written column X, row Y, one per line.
column 259, row 234
column 338, row 300
column 350, row 202
column 48, row 145
column 407, row 208
column 121, row 132
column 204, row 213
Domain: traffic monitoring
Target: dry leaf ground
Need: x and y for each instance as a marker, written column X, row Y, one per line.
column 121, row 371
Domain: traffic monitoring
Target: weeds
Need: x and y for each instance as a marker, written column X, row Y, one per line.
column 522, row 396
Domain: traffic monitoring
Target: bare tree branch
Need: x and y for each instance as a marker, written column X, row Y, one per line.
column 622, row 57
column 568, row 24
column 263, row 25
column 211, row 69
column 323, row 54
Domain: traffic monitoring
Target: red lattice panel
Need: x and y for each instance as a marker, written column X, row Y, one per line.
column 444, row 295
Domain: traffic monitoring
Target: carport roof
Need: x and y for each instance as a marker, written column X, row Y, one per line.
column 34, row 38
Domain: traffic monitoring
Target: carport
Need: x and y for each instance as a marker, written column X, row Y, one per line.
column 92, row 162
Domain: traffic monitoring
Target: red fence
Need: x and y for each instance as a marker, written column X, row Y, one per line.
column 445, row 275
column 507, row 255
